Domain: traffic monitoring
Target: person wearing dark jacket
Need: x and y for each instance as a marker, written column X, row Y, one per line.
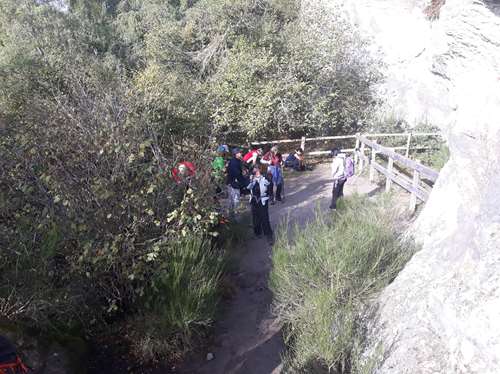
column 259, row 188
column 235, row 180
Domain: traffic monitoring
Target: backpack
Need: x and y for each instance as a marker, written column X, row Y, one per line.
column 10, row 363
column 348, row 167
column 256, row 191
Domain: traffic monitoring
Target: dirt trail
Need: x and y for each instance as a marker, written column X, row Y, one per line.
column 248, row 337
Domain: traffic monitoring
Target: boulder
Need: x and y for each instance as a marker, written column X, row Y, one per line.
column 441, row 314
column 442, row 66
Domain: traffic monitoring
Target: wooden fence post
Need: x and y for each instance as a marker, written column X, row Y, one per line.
column 415, row 184
column 356, row 149
column 388, row 181
column 372, row 169
column 407, row 154
column 303, row 143
column 362, row 157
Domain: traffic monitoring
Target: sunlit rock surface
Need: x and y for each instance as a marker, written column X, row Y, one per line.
column 442, row 313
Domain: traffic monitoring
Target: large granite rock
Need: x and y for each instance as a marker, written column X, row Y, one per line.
column 442, row 313
column 430, row 64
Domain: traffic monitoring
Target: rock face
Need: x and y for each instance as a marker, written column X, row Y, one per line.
column 442, row 313
column 430, row 64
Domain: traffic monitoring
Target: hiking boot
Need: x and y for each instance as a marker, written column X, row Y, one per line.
column 270, row 240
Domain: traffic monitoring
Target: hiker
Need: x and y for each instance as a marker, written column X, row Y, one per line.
column 235, row 180
column 183, row 172
column 259, row 201
column 339, row 177
column 274, row 160
column 10, row 362
column 348, row 172
column 219, row 168
column 251, row 157
column 219, row 162
column 295, row 160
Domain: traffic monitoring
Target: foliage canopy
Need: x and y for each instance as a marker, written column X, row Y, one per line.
column 100, row 99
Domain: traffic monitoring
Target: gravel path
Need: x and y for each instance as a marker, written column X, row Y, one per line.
column 248, row 337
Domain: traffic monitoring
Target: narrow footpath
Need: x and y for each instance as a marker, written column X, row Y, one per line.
column 248, row 337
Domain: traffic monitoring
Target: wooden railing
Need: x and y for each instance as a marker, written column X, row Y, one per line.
column 418, row 186
column 304, row 140
column 415, row 186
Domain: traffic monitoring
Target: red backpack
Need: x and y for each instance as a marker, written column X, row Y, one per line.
column 10, row 362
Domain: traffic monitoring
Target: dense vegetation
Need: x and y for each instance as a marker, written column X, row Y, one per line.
column 325, row 278
column 98, row 100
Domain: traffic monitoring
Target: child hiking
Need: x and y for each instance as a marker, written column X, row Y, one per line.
column 259, row 201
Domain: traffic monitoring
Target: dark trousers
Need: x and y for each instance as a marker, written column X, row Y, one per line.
column 295, row 165
column 260, row 215
column 279, row 189
column 337, row 192
column 341, row 192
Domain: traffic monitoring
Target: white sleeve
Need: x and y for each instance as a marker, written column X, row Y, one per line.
column 335, row 166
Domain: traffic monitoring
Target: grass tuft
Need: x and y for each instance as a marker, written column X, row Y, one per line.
column 184, row 303
column 325, row 277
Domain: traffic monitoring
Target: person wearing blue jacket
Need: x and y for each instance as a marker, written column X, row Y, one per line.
column 259, row 200
column 235, row 180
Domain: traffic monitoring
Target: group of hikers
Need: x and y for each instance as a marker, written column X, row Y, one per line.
column 259, row 175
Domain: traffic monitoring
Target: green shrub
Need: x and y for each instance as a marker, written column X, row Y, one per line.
column 184, row 300
column 324, row 278
column 437, row 158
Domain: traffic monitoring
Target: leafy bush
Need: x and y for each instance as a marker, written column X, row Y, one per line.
column 439, row 157
column 325, row 277
column 90, row 216
column 437, row 152
column 299, row 83
column 98, row 102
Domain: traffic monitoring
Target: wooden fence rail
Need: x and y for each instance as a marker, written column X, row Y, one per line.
column 414, row 186
column 304, row 140
column 418, row 186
